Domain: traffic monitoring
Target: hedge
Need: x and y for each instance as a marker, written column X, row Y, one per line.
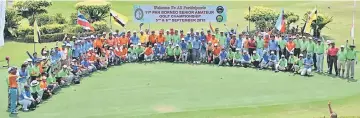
column 43, row 38
column 45, row 19
column 46, row 29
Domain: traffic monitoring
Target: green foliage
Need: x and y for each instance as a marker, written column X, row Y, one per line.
column 44, row 38
column 96, row 10
column 12, row 21
column 74, row 29
column 45, row 19
column 101, row 27
column 52, row 28
column 73, row 18
column 28, row 8
column 318, row 24
column 265, row 17
column 25, row 30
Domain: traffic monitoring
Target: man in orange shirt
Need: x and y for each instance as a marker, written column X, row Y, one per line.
column 152, row 38
column 208, row 36
column 98, row 45
column 214, row 40
column 290, row 46
column 13, row 89
column 123, row 53
column 148, row 53
column 110, row 42
column 161, row 38
column 123, row 40
column 216, row 53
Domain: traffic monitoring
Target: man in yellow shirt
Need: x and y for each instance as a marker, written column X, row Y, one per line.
column 143, row 38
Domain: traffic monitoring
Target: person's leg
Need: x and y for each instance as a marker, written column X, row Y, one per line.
column 303, row 72
column 339, row 67
column 321, row 62
column 330, row 64
column 352, row 68
column 348, row 63
column 308, row 71
column 220, row 62
column 315, row 61
column 13, row 99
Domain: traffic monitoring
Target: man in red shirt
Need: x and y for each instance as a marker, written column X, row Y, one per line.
column 332, row 53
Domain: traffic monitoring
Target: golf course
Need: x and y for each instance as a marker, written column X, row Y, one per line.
column 178, row 90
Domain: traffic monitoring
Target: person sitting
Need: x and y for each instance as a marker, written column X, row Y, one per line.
column 216, row 53
column 86, row 66
column 170, row 53
column 273, row 59
column 282, row 65
column 246, row 60
column 148, row 53
column 26, row 99
column 132, row 53
column 223, row 57
column 255, row 59
column 308, row 63
column 299, row 64
column 237, row 57
column 291, row 61
column 123, row 54
column 264, row 60
column 231, row 57
column 177, row 52
column 36, row 91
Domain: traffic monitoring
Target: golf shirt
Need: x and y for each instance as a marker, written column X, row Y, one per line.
column 246, row 57
column 238, row 55
column 283, row 62
column 282, row 44
column 223, row 54
column 255, row 57
column 273, row 45
column 259, row 43
column 332, row 51
column 196, row 44
column 239, row 43
column 319, row 48
column 341, row 55
column 265, row 57
column 308, row 63
column 134, row 39
column 297, row 43
column 350, row 54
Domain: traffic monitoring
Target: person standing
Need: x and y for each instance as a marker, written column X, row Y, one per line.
column 259, row 45
column 290, row 47
column 252, row 46
column 297, row 42
column 310, row 50
column 319, row 50
column 332, row 53
column 283, row 45
column 196, row 45
column 273, row 45
column 341, row 61
column 13, row 89
column 303, row 45
column 351, row 60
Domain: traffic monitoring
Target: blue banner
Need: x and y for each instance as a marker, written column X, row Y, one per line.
column 179, row 13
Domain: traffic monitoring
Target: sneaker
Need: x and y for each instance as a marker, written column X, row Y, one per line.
column 14, row 112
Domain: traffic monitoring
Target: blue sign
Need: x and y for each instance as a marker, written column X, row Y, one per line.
column 179, row 13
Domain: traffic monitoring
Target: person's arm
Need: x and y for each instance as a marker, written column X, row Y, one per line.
column 330, row 109
column 28, row 98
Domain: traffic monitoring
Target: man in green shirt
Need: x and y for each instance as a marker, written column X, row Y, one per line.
column 255, row 59
column 176, row 37
column 230, row 57
column 259, row 45
column 303, row 45
column 237, row 57
column 297, row 45
column 138, row 50
column 170, row 53
column 177, row 52
column 222, row 39
column 291, row 61
column 351, row 60
column 319, row 50
column 132, row 53
column 168, row 37
column 282, row 44
column 282, row 64
column 341, row 61
column 299, row 64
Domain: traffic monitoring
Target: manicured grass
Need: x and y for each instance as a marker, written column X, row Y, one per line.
column 139, row 90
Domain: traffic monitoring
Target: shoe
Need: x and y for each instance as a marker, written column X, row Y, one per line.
column 15, row 112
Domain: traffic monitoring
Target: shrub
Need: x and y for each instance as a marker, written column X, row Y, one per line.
column 96, row 10
column 101, row 27
column 25, row 30
column 12, row 21
column 44, row 38
column 28, row 8
column 52, row 28
column 45, row 19
column 73, row 29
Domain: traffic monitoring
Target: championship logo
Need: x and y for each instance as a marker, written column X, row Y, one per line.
column 139, row 14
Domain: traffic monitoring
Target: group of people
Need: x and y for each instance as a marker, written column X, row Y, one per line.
column 42, row 76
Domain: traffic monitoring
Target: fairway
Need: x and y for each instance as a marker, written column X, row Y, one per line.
column 140, row 90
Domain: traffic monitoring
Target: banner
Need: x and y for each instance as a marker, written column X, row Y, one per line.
column 179, row 13
column 2, row 21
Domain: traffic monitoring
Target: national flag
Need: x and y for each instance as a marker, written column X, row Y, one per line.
column 36, row 32
column 2, row 21
column 280, row 23
column 119, row 18
column 311, row 17
column 211, row 28
column 81, row 20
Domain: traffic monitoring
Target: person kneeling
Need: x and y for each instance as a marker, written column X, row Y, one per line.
column 246, row 59
column 26, row 99
column 282, row 65
column 223, row 57
column 255, row 59
column 308, row 62
column 299, row 63
column 273, row 61
column 148, row 53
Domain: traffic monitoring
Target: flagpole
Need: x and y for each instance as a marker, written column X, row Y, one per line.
column 110, row 22
column 316, row 22
column 34, row 31
column 353, row 37
column 249, row 18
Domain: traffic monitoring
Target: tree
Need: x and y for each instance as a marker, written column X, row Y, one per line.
column 319, row 23
column 265, row 17
column 28, row 8
column 97, row 11
column 12, row 21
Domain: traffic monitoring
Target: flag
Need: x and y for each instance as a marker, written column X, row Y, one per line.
column 81, row 20
column 352, row 32
column 211, row 28
column 36, row 32
column 311, row 17
column 119, row 18
column 280, row 23
column 2, row 21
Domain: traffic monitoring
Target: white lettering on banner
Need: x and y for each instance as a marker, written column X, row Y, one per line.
column 180, row 13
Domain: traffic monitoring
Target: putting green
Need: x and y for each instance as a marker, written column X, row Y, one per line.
column 139, row 90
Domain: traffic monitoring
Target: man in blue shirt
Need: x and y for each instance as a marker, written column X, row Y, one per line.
column 246, row 59
column 273, row 45
column 239, row 42
column 223, row 57
column 134, row 39
column 308, row 63
column 196, row 45
column 187, row 37
column 272, row 60
column 184, row 51
column 264, row 60
column 76, row 51
column 202, row 37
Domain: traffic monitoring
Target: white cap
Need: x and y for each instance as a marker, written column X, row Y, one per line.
column 97, row 56
column 216, row 44
column 65, row 66
column 91, row 48
column 139, row 44
column 155, row 44
column 177, row 45
column 92, row 36
column 291, row 53
column 182, row 39
column 141, row 31
column 272, row 52
column 134, row 31
column 254, row 51
column 282, row 55
column 25, row 62
column 68, row 45
column 104, row 32
column 43, row 57
column 238, row 49
column 29, row 59
column 9, row 69
column 73, row 37
column 131, row 45
column 265, row 51
column 328, row 41
column 188, row 32
column 301, row 55
column 111, row 48
column 342, row 46
column 74, row 60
